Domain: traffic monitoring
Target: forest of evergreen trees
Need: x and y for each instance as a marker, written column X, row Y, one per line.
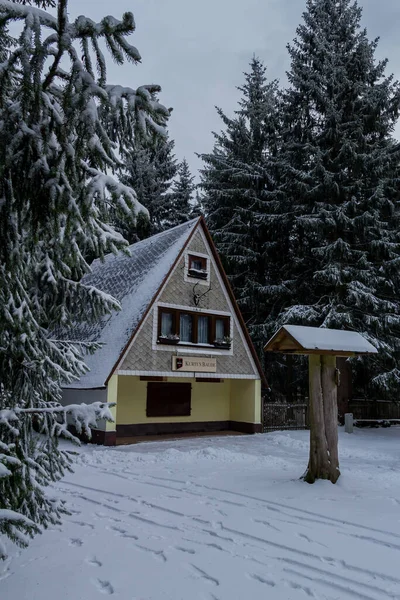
column 300, row 192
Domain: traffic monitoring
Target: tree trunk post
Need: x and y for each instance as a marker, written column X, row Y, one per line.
column 329, row 394
column 323, row 462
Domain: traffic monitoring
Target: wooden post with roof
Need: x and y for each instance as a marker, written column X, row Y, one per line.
column 322, row 347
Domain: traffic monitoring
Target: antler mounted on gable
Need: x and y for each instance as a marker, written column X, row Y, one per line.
column 196, row 296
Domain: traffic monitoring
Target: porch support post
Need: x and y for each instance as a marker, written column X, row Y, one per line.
column 323, row 461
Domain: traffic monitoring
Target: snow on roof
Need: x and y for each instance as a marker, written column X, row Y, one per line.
column 133, row 280
column 335, row 340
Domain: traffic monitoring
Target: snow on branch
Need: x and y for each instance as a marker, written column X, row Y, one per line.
column 41, row 460
column 62, row 132
column 101, row 183
column 14, row 522
column 110, row 28
column 83, row 27
column 82, row 416
column 137, row 108
column 13, row 11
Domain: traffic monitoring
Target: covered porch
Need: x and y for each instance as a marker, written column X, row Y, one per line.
column 148, row 407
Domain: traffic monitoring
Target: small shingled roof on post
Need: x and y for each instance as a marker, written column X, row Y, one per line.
column 296, row 339
column 322, row 346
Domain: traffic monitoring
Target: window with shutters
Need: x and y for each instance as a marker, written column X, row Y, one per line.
column 168, row 399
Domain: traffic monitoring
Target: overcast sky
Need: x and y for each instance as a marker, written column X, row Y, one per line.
column 197, row 51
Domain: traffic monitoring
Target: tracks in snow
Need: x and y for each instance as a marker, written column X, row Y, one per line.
column 301, row 565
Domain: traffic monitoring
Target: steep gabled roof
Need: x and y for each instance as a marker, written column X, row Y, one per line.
column 134, row 281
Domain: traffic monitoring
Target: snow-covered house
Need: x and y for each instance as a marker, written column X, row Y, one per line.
column 177, row 357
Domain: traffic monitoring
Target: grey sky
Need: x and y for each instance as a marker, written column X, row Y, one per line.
column 198, row 50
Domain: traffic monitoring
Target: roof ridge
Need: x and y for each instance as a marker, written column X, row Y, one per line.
column 138, row 245
column 165, row 232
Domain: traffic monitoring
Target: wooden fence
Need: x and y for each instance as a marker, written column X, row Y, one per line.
column 282, row 415
column 379, row 409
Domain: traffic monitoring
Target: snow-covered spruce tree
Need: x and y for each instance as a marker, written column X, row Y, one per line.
column 149, row 168
column 197, row 208
column 181, row 196
column 58, row 120
column 342, row 178
column 222, row 195
column 243, row 205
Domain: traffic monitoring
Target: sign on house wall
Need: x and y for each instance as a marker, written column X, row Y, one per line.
column 194, row 364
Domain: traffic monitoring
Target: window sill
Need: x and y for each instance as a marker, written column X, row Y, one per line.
column 197, row 274
column 192, row 345
column 222, row 346
column 167, row 342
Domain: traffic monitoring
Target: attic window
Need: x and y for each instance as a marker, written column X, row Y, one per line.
column 197, row 267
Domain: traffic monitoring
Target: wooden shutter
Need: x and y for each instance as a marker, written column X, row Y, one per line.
column 168, row 399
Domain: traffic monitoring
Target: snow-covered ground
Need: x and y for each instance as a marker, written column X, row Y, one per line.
column 220, row 518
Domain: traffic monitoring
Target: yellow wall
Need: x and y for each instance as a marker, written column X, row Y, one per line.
column 245, row 404
column 112, row 396
column 231, row 400
column 210, row 402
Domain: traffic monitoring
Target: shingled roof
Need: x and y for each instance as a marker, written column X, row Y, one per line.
column 133, row 280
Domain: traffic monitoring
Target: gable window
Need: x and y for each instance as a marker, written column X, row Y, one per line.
column 197, row 263
column 186, row 327
column 197, row 266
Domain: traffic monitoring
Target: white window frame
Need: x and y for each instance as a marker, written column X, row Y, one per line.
column 190, row 279
column 188, row 348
